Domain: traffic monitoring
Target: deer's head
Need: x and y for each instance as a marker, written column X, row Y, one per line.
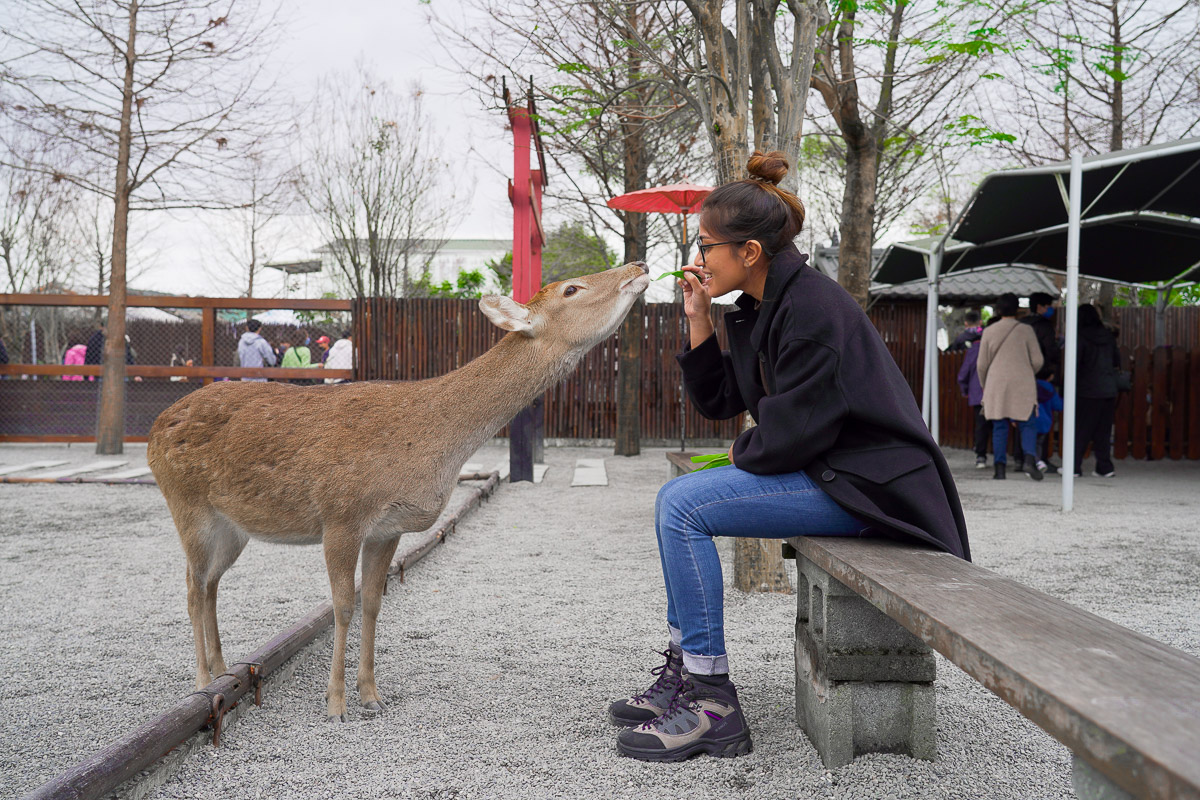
column 576, row 313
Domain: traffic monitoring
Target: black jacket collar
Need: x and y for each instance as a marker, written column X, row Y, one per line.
column 784, row 267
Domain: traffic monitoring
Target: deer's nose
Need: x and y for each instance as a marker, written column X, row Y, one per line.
column 642, row 264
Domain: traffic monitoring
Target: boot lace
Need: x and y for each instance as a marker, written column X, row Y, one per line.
column 666, row 678
column 681, row 701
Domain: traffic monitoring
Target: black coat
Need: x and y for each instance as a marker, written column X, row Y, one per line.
column 1048, row 343
column 835, row 405
column 1097, row 364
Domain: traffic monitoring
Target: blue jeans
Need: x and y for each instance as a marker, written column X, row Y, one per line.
column 727, row 501
column 1027, row 430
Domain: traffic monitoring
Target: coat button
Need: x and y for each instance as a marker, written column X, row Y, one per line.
column 828, row 475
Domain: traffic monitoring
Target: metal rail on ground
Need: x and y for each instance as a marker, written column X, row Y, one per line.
column 124, row 758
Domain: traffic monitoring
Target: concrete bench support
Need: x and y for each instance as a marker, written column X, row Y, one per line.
column 864, row 684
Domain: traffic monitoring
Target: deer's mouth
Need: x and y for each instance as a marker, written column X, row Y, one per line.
column 637, row 284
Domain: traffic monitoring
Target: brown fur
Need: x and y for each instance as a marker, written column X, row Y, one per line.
column 235, row 463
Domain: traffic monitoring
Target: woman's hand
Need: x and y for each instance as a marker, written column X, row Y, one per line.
column 696, row 303
column 731, row 453
column 696, row 300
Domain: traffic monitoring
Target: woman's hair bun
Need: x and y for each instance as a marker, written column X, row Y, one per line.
column 769, row 167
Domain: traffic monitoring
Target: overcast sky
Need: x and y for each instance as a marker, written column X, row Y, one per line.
column 392, row 37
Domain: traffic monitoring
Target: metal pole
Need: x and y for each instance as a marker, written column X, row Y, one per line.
column 1072, row 325
column 935, row 411
column 926, row 378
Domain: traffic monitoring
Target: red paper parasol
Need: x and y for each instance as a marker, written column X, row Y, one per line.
column 676, row 198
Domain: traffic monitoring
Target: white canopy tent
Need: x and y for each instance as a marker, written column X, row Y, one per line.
column 1136, row 212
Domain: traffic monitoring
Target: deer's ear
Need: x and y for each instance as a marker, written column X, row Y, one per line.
column 506, row 314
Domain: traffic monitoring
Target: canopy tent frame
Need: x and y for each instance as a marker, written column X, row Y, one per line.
column 938, row 261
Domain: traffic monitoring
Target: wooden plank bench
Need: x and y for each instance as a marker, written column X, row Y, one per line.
column 870, row 610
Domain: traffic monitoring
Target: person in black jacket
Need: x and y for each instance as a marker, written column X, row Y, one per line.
column 1097, row 360
column 839, row 450
column 1041, row 318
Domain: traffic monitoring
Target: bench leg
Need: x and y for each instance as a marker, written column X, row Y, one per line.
column 864, row 684
column 1090, row 784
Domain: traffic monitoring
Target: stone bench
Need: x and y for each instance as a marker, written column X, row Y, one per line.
column 870, row 612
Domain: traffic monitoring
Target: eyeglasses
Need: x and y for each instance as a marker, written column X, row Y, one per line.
column 704, row 248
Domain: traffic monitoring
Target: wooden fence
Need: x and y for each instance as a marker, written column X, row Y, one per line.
column 1159, row 418
column 48, row 401
column 398, row 339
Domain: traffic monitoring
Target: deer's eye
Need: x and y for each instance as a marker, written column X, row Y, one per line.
column 570, row 290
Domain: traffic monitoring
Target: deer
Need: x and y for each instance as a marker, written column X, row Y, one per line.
column 233, row 467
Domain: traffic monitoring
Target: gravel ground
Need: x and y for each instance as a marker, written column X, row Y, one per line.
column 501, row 651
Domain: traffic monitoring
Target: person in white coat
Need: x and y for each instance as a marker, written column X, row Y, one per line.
column 1009, row 356
column 341, row 356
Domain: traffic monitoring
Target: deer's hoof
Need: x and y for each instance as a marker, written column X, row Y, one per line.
column 377, row 706
column 337, row 718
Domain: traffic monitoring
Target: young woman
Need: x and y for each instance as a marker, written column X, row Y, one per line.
column 839, row 450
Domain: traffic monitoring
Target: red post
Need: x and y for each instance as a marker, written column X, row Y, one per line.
column 522, row 128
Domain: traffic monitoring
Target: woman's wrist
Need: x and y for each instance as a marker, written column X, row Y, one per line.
column 699, row 330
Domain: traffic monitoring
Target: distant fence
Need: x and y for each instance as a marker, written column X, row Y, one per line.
column 43, row 399
column 1159, row 418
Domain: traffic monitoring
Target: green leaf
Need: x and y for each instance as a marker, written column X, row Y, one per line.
column 678, row 274
column 714, row 460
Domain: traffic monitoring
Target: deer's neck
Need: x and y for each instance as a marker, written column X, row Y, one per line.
column 478, row 399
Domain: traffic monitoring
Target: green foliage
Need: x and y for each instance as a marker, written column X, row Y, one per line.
column 468, row 284
column 502, row 269
column 976, row 132
column 572, row 250
column 1183, row 296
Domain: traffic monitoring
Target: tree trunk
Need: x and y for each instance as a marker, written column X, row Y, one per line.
column 110, row 428
column 858, row 216
column 629, row 357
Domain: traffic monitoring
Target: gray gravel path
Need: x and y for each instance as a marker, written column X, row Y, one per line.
column 501, row 651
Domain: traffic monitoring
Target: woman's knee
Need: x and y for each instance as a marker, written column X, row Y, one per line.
column 673, row 505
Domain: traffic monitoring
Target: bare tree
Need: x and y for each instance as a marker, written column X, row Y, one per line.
column 371, row 177
column 255, row 229
column 153, row 96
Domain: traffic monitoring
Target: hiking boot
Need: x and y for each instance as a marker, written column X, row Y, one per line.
column 1031, row 468
column 1019, row 466
column 1051, row 468
column 654, row 701
column 1102, row 474
column 701, row 719
column 999, row 474
column 980, row 462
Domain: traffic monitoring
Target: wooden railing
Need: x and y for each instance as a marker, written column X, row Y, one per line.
column 64, row 410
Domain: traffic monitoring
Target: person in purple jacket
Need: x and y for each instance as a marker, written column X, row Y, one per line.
column 840, row 449
column 968, row 384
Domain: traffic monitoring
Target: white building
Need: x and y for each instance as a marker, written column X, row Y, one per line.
column 444, row 262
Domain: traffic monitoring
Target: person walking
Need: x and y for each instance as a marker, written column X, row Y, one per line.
column 1097, row 362
column 1009, row 357
column 825, row 459
column 970, row 334
column 1041, row 319
column 253, row 350
column 340, row 356
column 968, row 384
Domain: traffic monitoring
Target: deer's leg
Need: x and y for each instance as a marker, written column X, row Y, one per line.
column 231, row 546
column 377, row 557
column 196, row 602
column 341, row 557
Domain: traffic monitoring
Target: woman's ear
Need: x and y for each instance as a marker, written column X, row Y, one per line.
column 751, row 251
